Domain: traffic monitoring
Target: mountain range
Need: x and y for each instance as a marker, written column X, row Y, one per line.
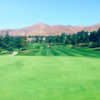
column 40, row 29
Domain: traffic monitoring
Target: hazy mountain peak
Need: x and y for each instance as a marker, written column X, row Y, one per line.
column 40, row 24
column 45, row 29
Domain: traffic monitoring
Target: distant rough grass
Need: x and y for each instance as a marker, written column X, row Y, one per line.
column 60, row 50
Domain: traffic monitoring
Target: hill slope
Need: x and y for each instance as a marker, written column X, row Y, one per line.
column 44, row 29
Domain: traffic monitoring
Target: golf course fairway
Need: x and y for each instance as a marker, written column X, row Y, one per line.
column 49, row 78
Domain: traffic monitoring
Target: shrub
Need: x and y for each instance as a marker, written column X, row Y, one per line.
column 92, row 45
column 4, row 52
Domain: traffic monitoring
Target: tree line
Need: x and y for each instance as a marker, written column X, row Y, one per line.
column 83, row 38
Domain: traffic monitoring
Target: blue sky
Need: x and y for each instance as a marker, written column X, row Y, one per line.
column 21, row 13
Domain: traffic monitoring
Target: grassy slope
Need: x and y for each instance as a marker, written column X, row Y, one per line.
column 43, row 50
column 73, row 75
column 49, row 78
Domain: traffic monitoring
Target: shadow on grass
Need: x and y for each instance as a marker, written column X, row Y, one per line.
column 86, row 52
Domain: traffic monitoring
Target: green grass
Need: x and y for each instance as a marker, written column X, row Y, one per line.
column 49, row 78
column 60, row 50
column 55, row 73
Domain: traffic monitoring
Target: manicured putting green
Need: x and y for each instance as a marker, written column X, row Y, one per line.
column 49, row 78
